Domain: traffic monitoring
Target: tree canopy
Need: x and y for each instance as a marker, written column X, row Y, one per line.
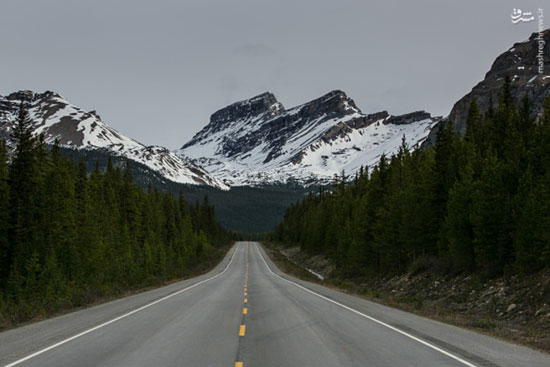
column 67, row 237
column 478, row 203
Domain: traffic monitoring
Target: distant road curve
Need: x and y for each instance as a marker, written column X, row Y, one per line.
column 246, row 312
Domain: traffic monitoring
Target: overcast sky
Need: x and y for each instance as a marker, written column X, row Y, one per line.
column 156, row 70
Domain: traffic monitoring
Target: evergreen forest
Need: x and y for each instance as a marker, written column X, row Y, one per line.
column 478, row 203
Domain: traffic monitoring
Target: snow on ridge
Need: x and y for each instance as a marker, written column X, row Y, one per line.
column 309, row 148
column 75, row 128
column 364, row 147
column 321, row 161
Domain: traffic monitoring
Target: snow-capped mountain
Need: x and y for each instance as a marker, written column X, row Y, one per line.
column 259, row 141
column 75, row 128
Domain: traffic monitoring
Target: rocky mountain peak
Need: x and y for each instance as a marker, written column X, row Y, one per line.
column 521, row 64
column 23, row 96
column 408, row 118
column 249, row 108
column 28, row 96
column 522, row 57
column 333, row 104
column 307, row 143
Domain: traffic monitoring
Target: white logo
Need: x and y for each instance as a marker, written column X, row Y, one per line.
column 519, row 16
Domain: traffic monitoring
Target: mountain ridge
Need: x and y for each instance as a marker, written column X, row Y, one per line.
column 257, row 140
column 520, row 63
column 75, row 128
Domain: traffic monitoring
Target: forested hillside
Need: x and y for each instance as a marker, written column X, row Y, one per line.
column 478, row 203
column 252, row 209
column 68, row 238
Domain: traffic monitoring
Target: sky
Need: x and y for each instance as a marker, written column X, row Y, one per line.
column 156, row 70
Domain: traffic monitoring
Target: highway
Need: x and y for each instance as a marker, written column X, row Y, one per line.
column 246, row 313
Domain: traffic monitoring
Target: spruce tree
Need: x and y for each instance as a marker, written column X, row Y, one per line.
column 505, row 98
column 473, row 122
column 23, row 182
column 5, row 245
column 457, row 230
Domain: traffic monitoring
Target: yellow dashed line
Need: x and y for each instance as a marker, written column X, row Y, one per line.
column 242, row 329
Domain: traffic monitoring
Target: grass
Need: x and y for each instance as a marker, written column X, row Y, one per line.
column 486, row 324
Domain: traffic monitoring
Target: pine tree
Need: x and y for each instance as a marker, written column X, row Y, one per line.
column 67, row 238
column 526, row 122
column 441, row 175
column 483, row 199
column 23, row 182
column 491, row 109
column 457, row 229
column 473, row 122
column 505, row 98
column 533, row 231
column 5, row 245
column 491, row 218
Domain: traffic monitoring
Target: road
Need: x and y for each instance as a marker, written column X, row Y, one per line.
column 246, row 312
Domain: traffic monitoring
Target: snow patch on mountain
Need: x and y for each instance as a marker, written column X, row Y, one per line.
column 53, row 116
column 257, row 141
column 363, row 147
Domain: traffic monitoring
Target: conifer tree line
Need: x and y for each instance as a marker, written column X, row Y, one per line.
column 478, row 203
column 68, row 237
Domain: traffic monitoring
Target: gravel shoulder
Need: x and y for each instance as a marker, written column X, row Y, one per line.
column 513, row 309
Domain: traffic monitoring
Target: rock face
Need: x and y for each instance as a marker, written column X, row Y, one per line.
column 74, row 128
column 264, row 104
column 521, row 64
column 258, row 141
column 408, row 118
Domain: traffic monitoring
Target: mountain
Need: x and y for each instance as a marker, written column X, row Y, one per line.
column 258, row 141
column 521, row 64
column 83, row 131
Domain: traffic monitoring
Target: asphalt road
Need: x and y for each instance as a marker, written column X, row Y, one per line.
column 245, row 312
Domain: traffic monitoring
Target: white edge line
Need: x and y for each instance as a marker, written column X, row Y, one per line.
column 466, row 363
column 19, row 361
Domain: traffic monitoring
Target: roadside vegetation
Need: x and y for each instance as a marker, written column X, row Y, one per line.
column 476, row 204
column 470, row 211
column 69, row 238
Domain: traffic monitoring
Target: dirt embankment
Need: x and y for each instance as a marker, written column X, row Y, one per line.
column 513, row 308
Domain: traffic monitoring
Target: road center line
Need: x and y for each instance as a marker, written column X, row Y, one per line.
column 450, row 355
column 19, row 361
column 242, row 328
